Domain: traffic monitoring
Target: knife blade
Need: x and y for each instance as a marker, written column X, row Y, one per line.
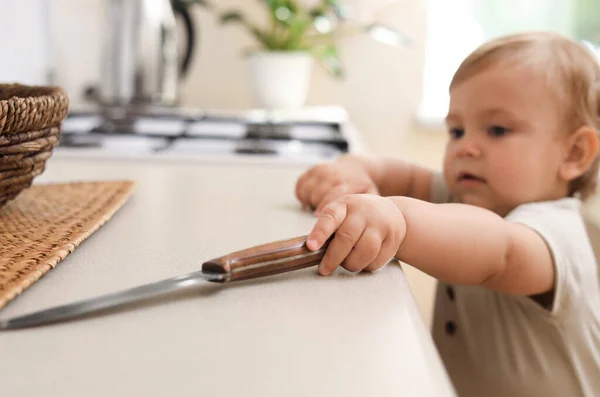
column 259, row 261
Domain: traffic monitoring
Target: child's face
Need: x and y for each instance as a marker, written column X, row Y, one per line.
column 506, row 139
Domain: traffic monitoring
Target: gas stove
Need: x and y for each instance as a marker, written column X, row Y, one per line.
column 312, row 134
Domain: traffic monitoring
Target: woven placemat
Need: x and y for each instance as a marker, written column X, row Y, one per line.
column 46, row 222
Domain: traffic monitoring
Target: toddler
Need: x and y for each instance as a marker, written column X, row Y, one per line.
column 517, row 308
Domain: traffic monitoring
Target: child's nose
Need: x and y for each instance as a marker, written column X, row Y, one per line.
column 469, row 147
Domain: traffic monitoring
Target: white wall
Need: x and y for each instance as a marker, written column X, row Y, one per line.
column 77, row 39
column 381, row 91
column 24, row 29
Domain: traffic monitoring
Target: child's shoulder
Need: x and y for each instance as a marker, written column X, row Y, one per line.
column 559, row 222
column 561, row 225
column 568, row 207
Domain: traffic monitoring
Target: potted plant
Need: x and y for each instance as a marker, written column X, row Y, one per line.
column 298, row 32
column 280, row 69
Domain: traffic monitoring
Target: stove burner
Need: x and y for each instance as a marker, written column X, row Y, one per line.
column 192, row 135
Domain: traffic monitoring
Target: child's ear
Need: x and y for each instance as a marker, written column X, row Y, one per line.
column 582, row 149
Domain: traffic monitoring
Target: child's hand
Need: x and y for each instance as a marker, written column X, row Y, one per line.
column 323, row 183
column 368, row 231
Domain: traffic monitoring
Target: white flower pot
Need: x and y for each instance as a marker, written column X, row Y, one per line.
column 280, row 79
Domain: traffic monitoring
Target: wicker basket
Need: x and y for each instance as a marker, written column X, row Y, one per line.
column 30, row 119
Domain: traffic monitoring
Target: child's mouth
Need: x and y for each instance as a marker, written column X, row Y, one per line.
column 468, row 179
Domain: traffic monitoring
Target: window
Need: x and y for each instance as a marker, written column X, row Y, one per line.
column 457, row 27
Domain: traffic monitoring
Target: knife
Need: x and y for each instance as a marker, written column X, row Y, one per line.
column 259, row 261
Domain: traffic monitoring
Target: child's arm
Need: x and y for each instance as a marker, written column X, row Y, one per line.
column 455, row 243
column 395, row 177
column 463, row 244
column 352, row 174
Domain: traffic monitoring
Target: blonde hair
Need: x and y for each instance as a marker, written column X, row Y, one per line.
column 571, row 70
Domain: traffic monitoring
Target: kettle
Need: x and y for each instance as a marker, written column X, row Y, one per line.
column 140, row 60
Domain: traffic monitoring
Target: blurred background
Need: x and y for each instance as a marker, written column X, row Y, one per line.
column 388, row 91
column 390, row 83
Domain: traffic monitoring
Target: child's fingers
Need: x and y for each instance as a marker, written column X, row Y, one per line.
column 364, row 252
column 319, row 191
column 330, row 219
column 304, row 187
column 383, row 257
column 300, row 186
column 333, row 194
column 342, row 244
column 307, row 208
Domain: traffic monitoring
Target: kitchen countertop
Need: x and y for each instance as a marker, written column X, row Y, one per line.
column 294, row 334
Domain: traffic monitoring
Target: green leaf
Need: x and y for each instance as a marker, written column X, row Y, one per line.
column 189, row 3
column 232, row 16
column 293, row 7
column 317, row 12
column 267, row 40
column 262, row 37
column 329, row 58
column 338, row 9
column 275, row 4
column 296, row 34
column 283, row 15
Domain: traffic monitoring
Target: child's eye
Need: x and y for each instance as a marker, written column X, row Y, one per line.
column 497, row 130
column 456, row 133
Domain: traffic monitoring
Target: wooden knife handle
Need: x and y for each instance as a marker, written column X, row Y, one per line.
column 266, row 260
